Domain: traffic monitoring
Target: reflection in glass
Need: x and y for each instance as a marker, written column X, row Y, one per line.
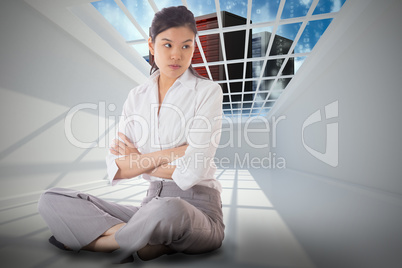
column 274, row 95
column 289, row 68
column 261, row 96
column 257, row 66
column 247, row 104
column 281, row 83
column 258, row 104
column 273, row 66
column 269, row 104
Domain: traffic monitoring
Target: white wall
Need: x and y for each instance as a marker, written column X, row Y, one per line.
column 244, row 142
column 359, row 65
column 44, row 72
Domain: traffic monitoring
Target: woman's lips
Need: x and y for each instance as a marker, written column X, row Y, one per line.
column 174, row 66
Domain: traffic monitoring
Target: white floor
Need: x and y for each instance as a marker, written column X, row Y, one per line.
column 273, row 219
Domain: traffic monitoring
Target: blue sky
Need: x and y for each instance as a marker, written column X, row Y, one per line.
column 262, row 11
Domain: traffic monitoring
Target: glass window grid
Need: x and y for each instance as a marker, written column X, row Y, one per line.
column 266, row 86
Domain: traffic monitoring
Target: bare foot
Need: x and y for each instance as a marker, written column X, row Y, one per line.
column 106, row 242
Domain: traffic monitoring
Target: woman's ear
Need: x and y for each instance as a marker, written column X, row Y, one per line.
column 151, row 45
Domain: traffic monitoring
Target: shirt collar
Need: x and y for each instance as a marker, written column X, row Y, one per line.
column 187, row 79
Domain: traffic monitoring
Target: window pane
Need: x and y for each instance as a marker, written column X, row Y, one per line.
column 274, row 95
column 284, row 38
column 263, row 11
column 311, row 35
column 298, row 62
column 238, row 7
column 168, row 3
column 327, row 6
column 273, row 66
column 143, row 50
column 260, row 41
column 211, row 48
column 200, row 8
column 296, row 8
column 142, row 12
column 116, row 17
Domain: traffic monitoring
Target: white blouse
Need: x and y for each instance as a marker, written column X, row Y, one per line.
column 191, row 113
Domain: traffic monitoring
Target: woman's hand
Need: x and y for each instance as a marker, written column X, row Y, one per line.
column 138, row 163
column 125, row 147
column 166, row 170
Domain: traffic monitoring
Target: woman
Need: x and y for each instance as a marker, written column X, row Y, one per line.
column 168, row 132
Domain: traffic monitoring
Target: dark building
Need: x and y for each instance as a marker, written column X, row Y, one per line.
column 280, row 46
column 234, row 45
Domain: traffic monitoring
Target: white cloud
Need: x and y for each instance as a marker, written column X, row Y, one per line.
column 300, row 48
column 298, row 63
column 336, row 6
column 306, row 3
column 263, row 13
column 116, row 17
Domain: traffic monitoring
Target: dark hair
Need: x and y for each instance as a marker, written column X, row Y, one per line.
column 171, row 17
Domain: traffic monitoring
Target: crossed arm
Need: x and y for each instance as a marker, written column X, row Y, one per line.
column 134, row 163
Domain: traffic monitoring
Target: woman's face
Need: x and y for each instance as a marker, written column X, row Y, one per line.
column 173, row 50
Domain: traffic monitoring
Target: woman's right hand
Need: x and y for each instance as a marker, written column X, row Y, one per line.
column 124, row 147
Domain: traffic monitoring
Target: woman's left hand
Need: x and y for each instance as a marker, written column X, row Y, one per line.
column 125, row 147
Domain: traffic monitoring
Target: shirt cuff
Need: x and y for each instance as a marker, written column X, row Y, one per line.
column 184, row 178
column 112, row 169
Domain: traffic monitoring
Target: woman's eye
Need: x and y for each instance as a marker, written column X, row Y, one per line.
column 186, row 46
column 167, row 45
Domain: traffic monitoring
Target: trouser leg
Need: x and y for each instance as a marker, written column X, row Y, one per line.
column 76, row 218
column 173, row 222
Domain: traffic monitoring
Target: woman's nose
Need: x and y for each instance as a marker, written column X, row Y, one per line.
column 175, row 55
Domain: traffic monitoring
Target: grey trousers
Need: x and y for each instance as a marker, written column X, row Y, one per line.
column 186, row 221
